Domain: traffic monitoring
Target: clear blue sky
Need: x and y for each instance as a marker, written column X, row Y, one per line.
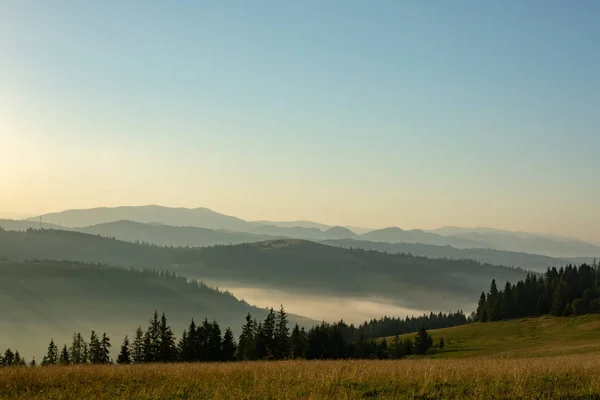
column 408, row 113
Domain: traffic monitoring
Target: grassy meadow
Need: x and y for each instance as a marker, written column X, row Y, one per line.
column 557, row 377
column 521, row 338
column 522, row 359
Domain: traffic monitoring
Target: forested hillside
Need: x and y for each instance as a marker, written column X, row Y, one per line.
column 291, row 265
column 43, row 299
column 534, row 262
column 565, row 291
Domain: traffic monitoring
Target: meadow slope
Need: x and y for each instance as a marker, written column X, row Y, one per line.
column 521, row 338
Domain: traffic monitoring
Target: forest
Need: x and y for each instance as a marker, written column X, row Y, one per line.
column 269, row 339
column 291, row 265
column 565, row 291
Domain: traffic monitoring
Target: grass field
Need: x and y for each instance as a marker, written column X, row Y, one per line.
column 558, row 377
column 523, row 359
column 522, row 338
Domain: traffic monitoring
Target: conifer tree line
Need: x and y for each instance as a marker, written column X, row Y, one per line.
column 566, row 291
column 270, row 339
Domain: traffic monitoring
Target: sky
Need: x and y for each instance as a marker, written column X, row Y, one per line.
column 416, row 114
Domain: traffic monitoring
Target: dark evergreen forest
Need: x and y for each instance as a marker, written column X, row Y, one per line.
column 269, row 339
column 566, row 291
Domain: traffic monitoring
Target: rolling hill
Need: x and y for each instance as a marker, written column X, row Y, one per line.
column 547, row 245
column 43, row 299
column 397, row 235
column 534, row 262
column 167, row 235
column 289, row 265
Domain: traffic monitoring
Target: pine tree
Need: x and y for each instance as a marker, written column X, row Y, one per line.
column 247, row 343
column 481, row 314
column 33, row 363
column 105, row 345
column 168, row 350
column 183, row 348
column 78, row 351
column 137, row 352
column 64, row 358
column 152, row 340
column 125, row 355
column 265, row 339
column 8, row 359
column 422, row 341
column 19, row 361
column 282, row 335
column 214, row 342
column 228, row 347
column 51, row 357
column 493, row 303
column 96, row 354
column 442, row 344
column 298, row 342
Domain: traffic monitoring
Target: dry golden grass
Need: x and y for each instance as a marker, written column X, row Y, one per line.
column 564, row 377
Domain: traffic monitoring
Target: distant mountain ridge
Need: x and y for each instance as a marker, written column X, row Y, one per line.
column 533, row 262
column 461, row 238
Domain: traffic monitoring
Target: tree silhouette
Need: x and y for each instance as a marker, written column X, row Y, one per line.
column 168, row 350
column 137, row 351
column 282, row 335
column 125, row 355
column 51, row 357
column 247, row 343
column 64, row 357
column 423, row 342
column 228, row 348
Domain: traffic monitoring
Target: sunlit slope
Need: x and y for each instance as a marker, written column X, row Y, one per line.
column 521, row 338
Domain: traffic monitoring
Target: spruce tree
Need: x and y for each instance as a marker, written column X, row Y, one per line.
column 265, row 339
column 422, row 341
column 183, row 348
column 78, row 350
column 282, row 335
column 168, row 349
column 96, row 354
column 125, row 355
column 193, row 344
column 51, row 357
column 247, row 343
column 64, row 357
column 298, row 342
column 19, row 361
column 137, row 351
column 105, row 345
column 9, row 358
column 481, row 314
column 214, row 342
column 442, row 344
column 152, row 340
column 228, row 347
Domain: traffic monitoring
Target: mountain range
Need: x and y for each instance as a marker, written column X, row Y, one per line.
column 461, row 238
